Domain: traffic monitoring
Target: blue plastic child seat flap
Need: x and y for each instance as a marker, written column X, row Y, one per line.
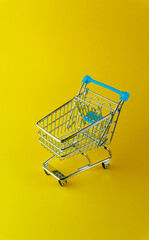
column 92, row 117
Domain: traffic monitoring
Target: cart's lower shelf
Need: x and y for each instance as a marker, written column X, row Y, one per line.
column 50, row 170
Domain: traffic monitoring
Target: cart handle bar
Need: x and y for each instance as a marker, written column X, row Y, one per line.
column 123, row 95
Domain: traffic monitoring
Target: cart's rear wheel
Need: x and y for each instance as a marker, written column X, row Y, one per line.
column 106, row 165
column 62, row 182
column 46, row 172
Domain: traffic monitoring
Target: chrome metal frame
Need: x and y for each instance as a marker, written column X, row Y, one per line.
column 81, row 124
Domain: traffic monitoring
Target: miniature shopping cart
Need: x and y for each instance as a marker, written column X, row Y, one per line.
column 86, row 122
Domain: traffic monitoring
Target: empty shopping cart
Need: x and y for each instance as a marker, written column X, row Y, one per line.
column 86, row 122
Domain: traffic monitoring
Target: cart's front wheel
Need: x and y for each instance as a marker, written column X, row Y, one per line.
column 46, row 172
column 106, row 165
column 62, row 182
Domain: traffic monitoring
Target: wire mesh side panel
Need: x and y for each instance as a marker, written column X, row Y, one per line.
column 60, row 124
column 81, row 113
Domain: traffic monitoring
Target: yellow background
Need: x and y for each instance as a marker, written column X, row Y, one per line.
column 46, row 48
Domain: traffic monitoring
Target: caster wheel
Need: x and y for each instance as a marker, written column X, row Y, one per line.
column 46, row 172
column 62, row 182
column 105, row 165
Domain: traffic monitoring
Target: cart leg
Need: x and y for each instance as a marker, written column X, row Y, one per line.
column 84, row 154
column 110, row 153
column 106, row 164
column 50, row 170
column 46, row 164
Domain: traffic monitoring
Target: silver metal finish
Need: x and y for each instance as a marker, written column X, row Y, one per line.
column 86, row 122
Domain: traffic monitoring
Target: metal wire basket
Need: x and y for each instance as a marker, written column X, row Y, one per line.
column 85, row 122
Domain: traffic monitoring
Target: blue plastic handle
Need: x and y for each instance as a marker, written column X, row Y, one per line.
column 123, row 95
